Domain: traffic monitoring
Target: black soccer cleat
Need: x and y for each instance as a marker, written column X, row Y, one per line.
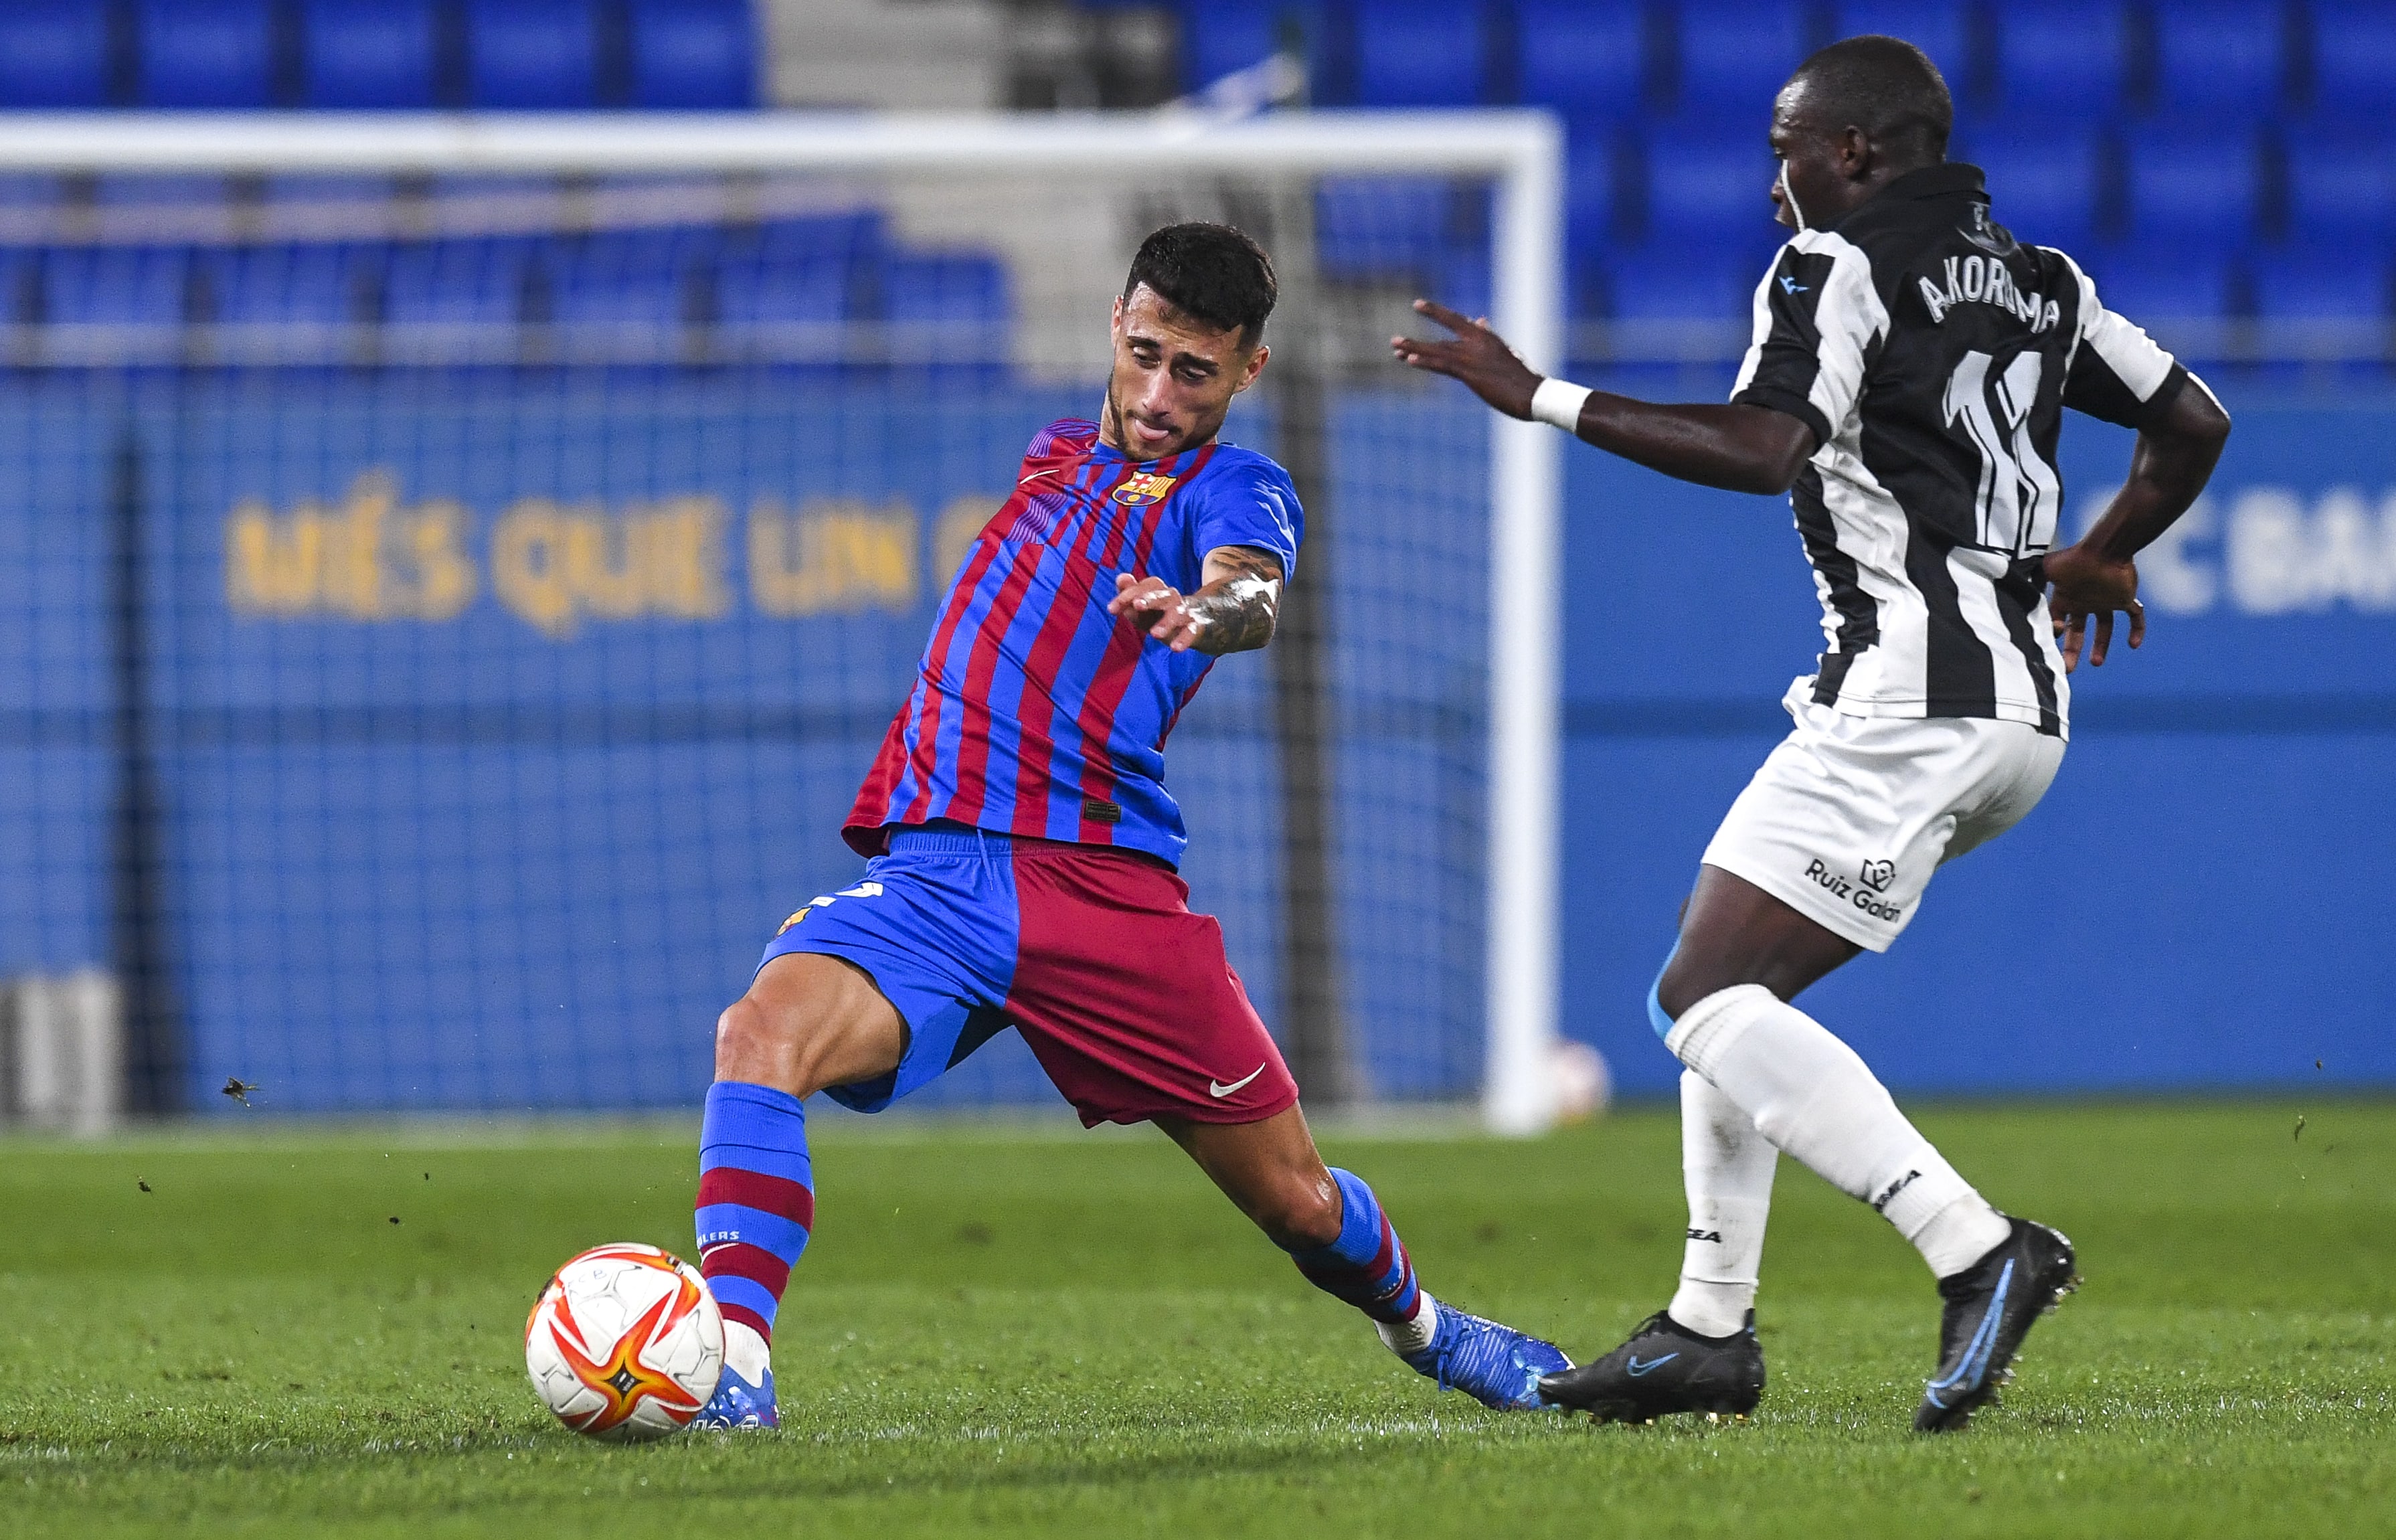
column 1990, row 1306
column 1666, row 1368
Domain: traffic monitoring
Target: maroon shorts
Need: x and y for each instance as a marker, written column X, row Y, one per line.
column 1091, row 952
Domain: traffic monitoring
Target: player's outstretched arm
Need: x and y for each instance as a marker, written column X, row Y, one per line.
column 1235, row 611
column 1738, row 448
column 2172, row 462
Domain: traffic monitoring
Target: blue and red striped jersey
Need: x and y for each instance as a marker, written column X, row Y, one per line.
column 1035, row 712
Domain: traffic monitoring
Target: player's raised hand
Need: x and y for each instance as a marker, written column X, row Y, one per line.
column 2089, row 588
column 1477, row 357
column 1159, row 608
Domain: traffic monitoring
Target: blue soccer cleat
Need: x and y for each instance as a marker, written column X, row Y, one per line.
column 738, row 1404
column 1495, row 1365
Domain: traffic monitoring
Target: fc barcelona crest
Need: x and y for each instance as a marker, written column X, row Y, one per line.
column 1143, row 487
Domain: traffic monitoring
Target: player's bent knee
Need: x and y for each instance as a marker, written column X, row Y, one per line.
column 1684, row 982
column 750, row 1044
column 807, row 1023
column 1299, row 1213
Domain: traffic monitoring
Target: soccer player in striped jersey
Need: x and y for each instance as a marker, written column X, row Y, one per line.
column 1024, row 845
column 1911, row 365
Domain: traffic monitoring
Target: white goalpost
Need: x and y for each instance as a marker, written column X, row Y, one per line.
column 1519, row 154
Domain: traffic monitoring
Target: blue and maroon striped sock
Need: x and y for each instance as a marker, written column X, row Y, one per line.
column 756, row 1199
column 1368, row 1266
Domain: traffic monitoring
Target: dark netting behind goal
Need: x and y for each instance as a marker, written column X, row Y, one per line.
column 447, row 620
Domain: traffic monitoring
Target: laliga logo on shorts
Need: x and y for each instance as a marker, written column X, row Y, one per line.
column 1144, row 488
column 1877, row 875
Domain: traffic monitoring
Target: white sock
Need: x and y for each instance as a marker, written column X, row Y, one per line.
column 1415, row 1335
column 745, row 1353
column 1811, row 1095
column 1727, row 1164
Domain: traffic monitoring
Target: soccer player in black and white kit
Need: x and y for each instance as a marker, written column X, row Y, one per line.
column 1910, row 365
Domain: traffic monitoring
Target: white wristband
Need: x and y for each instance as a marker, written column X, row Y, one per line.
column 1557, row 403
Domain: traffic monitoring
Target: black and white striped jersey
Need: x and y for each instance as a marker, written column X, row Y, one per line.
column 1933, row 357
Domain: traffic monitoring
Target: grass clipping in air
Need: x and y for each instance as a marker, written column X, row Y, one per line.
column 1020, row 1337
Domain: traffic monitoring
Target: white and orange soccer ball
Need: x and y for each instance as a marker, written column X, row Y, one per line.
column 625, row 1344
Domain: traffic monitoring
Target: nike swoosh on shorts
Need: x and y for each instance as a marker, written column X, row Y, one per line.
column 1217, row 1090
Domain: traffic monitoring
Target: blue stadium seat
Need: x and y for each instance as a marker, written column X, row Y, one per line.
column 2067, row 59
column 1735, row 54
column 2341, row 187
column 850, row 235
column 2150, row 281
column 368, row 53
column 28, row 189
column 751, row 295
column 20, row 287
column 2354, row 60
column 530, row 54
column 1219, row 37
column 1708, row 181
column 1384, row 228
column 116, row 285
column 799, row 271
column 1421, row 53
column 1462, row 282
column 1586, row 59
column 310, row 285
column 2044, row 180
column 480, row 283
column 2193, row 181
column 1941, row 28
column 946, row 288
column 54, row 53
column 206, row 53
column 2221, row 56
column 627, row 278
column 1593, row 188
column 693, row 54
column 2330, row 282
column 949, row 311
column 1671, row 280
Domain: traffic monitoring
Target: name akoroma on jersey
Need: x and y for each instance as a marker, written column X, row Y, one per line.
column 1987, row 281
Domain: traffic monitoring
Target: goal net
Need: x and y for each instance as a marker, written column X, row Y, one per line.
column 460, row 571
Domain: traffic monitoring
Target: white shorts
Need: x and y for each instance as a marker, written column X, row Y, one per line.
column 1851, row 814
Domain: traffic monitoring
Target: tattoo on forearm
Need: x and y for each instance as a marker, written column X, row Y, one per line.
column 1239, row 609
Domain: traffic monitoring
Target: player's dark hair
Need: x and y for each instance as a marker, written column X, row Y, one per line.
column 1885, row 87
column 1212, row 273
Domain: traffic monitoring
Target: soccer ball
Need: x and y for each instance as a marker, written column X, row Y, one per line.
column 1582, row 1085
column 625, row 1342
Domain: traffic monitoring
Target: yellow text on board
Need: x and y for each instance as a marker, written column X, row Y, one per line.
column 558, row 567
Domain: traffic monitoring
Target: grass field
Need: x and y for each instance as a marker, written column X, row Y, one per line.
column 1007, row 1333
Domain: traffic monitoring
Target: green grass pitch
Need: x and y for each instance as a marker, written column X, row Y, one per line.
column 1013, row 1334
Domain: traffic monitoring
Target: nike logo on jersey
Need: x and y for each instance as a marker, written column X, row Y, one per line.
column 1641, row 1371
column 1791, row 284
column 1217, row 1090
